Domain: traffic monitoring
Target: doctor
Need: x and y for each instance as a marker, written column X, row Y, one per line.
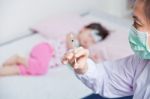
column 123, row 77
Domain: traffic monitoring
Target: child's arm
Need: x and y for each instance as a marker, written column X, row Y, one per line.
column 95, row 57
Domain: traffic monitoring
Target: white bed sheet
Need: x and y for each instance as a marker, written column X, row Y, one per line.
column 59, row 83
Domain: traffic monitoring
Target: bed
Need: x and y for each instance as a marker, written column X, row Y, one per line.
column 59, row 82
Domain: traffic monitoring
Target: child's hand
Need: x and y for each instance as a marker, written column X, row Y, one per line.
column 96, row 57
column 80, row 55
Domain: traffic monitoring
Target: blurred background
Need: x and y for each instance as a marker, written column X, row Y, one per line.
column 16, row 16
column 24, row 23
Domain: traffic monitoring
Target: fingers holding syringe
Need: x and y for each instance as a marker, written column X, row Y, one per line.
column 81, row 57
column 67, row 57
column 76, row 58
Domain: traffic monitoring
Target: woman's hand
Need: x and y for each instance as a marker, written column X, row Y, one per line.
column 77, row 58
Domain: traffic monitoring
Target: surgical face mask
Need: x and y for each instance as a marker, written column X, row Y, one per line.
column 139, row 43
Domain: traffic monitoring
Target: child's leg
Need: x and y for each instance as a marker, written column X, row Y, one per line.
column 9, row 70
column 14, row 60
column 11, row 61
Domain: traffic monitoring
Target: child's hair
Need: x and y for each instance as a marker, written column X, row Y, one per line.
column 103, row 32
column 147, row 9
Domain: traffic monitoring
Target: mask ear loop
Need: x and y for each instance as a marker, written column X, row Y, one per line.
column 147, row 42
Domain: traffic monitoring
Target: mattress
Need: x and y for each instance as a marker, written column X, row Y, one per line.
column 58, row 83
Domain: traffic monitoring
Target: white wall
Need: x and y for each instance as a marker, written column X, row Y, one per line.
column 16, row 16
column 114, row 7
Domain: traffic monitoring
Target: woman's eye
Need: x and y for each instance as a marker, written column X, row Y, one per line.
column 137, row 25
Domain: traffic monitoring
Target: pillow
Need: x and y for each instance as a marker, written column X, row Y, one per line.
column 114, row 47
column 60, row 24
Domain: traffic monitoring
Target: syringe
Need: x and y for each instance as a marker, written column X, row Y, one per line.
column 74, row 44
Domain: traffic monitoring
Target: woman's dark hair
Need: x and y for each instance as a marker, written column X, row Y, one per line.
column 147, row 9
column 103, row 32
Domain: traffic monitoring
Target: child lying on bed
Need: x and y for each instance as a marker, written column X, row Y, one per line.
column 48, row 54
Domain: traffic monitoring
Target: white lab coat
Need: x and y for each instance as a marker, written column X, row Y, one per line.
column 124, row 77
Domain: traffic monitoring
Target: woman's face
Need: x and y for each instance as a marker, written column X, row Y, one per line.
column 140, row 21
column 85, row 38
